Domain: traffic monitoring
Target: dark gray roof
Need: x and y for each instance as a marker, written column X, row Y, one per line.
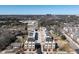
column 30, row 34
column 31, row 39
column 77, row 50
column 48, row 39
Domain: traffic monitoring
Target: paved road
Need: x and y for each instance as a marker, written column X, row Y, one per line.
column 73, row 44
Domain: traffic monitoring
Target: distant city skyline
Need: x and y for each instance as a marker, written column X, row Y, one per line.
column 39, row 9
